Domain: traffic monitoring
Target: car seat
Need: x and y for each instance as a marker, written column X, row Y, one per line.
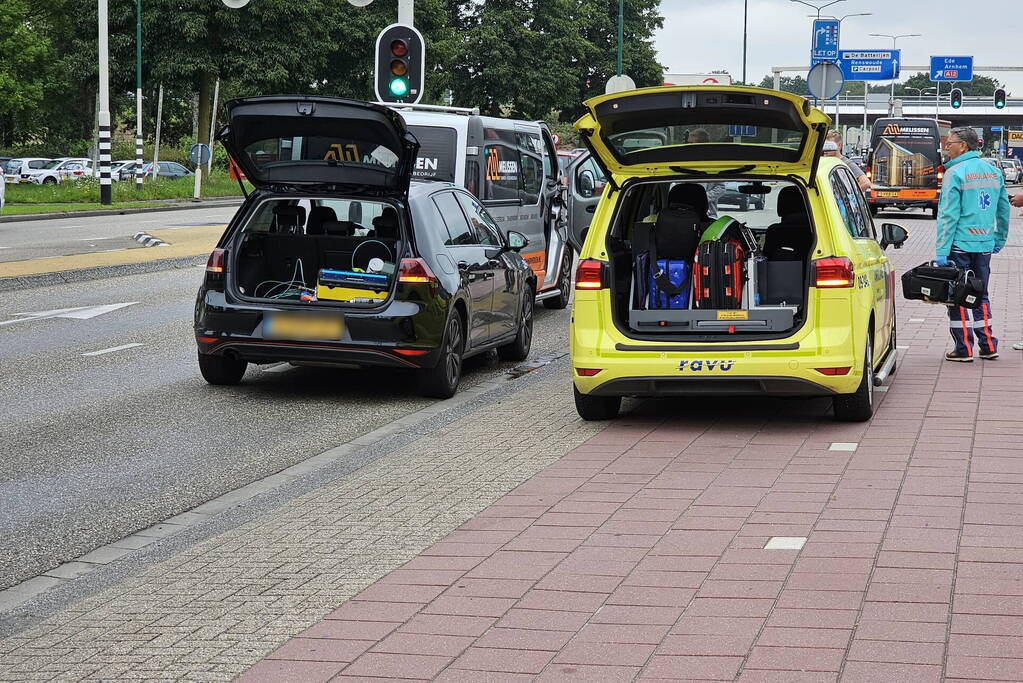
column 318, row 216
column 288, row 219
column 791, row 238
column 385, row 226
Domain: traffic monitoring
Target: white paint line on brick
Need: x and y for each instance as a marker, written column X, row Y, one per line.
column 916, row 320
column 902, row 347
column 881, row 389
column 785, row 543
column 839, row 446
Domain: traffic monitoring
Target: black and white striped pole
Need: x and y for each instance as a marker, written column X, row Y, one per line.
column 138, row 96
column 104, row 108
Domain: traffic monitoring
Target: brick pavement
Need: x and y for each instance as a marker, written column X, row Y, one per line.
column 645, row 552
column 558, row 550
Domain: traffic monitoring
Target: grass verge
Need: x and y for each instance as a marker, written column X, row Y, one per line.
column 86, row 191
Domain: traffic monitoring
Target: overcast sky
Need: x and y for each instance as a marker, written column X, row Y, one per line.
column 699, row 37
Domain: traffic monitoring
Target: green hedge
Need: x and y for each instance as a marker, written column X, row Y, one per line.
column 85, row 190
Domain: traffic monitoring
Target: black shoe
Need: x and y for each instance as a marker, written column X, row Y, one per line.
column 952, row 355
column 988, row 355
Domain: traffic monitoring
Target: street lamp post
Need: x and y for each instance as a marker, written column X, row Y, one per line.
column 894, row 39
column 818, row 7
column 745, row 14
column 104, row 106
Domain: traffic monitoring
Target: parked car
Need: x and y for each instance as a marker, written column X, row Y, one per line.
column 3, row 192
column 166, row 169
column 59, row 170
column 354, row 263
column 115, row 168
column 127, row 170
column 733, row 196
column 17, row 168
column 1011, row 170
column 800, row 304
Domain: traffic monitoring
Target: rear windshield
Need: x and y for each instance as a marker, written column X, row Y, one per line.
column 702, row 125
column 350, row 150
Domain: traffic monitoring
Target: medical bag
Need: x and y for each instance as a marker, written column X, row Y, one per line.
column 719, row 275
column 946, row 285
column 669, row 285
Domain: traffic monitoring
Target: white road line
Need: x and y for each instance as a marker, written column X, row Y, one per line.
column 91, row 239
column 5, row 247
column 111, row 350
column 101, row 251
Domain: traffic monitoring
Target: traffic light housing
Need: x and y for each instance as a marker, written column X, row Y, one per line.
column 400, row 65
column 955, row 98
column 1000, row 98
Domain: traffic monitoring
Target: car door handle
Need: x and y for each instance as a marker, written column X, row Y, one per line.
column 591, row 208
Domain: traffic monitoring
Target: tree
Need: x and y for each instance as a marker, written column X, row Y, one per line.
column 792, row 84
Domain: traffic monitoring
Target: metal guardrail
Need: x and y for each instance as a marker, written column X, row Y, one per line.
column 925, row 100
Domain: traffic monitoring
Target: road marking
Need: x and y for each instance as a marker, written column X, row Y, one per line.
column 843, row 446
column 103, row 251
column 111, row 350
column 79, row 313
column 92, row 239
column 5, row 247
column 785, row 543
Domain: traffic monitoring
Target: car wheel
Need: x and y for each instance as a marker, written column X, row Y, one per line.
column 859, row 405
column 560, row 301
column 592, row 408
column 49, row 181
column 221, row 370
column 519, row 349
column 441, row 381
column 873, row 209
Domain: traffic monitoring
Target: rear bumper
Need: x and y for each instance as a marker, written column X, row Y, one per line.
column 647, row 387
column 266, row 351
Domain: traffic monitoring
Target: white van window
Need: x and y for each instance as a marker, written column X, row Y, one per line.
column 436, row 157
column 501, row 180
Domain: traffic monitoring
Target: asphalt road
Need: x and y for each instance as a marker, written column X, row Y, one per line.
column 96, row 447
column 23, row 240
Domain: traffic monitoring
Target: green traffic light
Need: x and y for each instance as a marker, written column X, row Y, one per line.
column 398, row 87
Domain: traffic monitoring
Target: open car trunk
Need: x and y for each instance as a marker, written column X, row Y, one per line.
column 318, row 252
column 740, row 272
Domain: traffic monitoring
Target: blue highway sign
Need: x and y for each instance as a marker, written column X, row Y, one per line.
column 951, row 69
column 825, row 40
column 869, row 65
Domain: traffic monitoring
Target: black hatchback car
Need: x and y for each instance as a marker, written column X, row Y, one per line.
column 337, row 259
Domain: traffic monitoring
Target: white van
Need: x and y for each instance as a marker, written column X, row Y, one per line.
column 512, row 167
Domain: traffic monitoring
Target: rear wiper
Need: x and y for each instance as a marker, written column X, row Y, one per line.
column 727, row 171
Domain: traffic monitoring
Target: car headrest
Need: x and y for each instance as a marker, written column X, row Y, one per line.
column 689, row 194
column 319, row 215
column 790, row 201
column 339, row 228
column 386, row 224
column 289, row 217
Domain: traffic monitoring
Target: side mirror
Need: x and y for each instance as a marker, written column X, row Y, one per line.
column 893, row 235
column 587, row 183
column 517, row 241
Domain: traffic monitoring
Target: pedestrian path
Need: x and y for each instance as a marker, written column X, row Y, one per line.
column 504, row 539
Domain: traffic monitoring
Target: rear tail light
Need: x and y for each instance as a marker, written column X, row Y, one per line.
column 867, row 171
column 834, row 371
column 215, row 264
column 941, row 173
column 589, row 274
column 830, row 273
column 414, row 270
column 587, row 372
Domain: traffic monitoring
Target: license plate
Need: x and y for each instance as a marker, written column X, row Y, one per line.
column 303, row 326
column 887, row 194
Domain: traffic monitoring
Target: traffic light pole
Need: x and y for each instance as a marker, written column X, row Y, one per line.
column 406, row 12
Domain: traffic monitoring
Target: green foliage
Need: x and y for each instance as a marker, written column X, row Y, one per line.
column 87, row 190
column 793, row 84
column 520, row 58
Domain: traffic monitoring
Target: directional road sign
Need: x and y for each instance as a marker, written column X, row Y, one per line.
column 825, row 40
column 869, row 65
column 951, row 69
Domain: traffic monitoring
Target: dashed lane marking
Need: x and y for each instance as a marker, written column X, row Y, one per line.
column 111, row 350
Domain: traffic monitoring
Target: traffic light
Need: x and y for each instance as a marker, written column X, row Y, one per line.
column 955, row 98
column 999, row 98
column 400, row 64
